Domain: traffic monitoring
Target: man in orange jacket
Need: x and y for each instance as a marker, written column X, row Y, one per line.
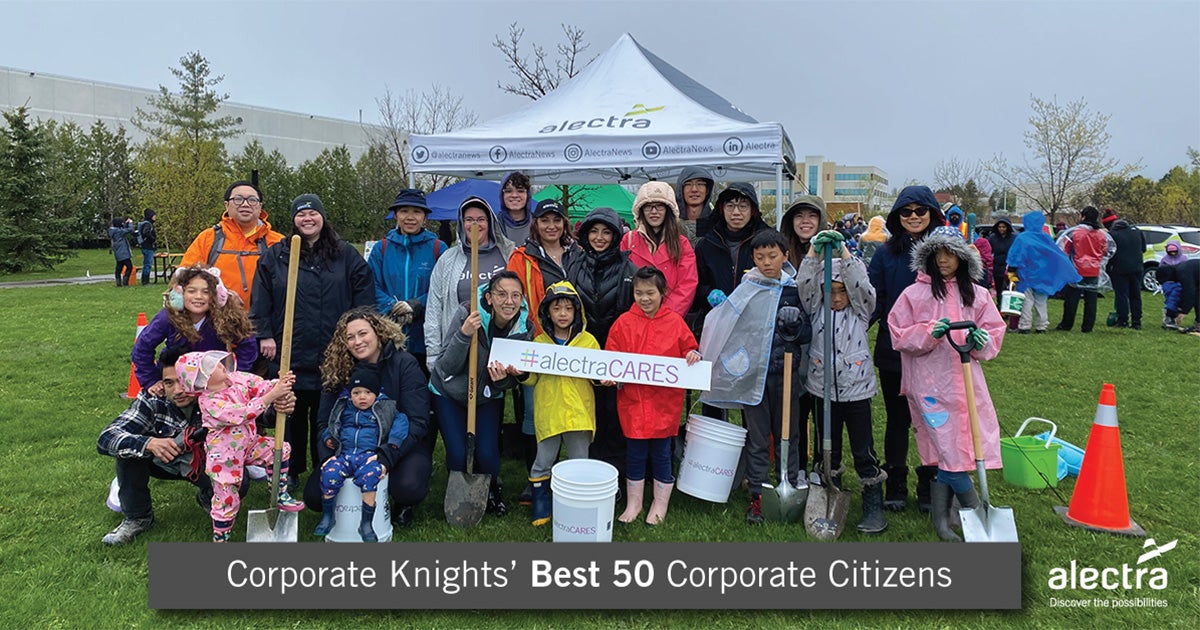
column 235, row 244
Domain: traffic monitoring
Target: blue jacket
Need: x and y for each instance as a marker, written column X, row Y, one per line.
column 357, row 431
column 402, row 265
column 120, row 242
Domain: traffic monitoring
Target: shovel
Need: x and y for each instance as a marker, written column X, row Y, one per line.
column 271, row 525
column 466, row 493
column 825, row 514
column 984, row 523
column 787, row 502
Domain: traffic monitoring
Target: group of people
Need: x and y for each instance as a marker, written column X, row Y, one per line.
column 123, row 234
column 379, row 358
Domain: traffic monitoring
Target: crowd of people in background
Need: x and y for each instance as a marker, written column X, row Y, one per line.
column 379, row 357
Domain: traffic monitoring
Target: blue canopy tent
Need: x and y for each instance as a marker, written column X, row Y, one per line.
column 445, row 202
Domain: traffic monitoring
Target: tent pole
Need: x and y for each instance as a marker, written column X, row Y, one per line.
column 411, row 181
column 779, row 196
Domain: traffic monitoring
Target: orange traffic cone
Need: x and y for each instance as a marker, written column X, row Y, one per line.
column 1100, row 501
column 134, row 387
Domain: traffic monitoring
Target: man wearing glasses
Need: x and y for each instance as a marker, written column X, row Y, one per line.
column 235, row 244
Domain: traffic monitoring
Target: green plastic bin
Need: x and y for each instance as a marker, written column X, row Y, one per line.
column 1025, row 455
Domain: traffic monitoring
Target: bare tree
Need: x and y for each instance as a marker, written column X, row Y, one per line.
column 534, row 75
column 955, row 172
column 434, row 111
column 1070, row 145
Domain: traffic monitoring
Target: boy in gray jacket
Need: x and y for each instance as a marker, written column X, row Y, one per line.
column 852, row 301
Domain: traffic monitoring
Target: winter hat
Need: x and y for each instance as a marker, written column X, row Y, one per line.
column 408, row 198
column 807, row 202
column 1109, row 217
column 365, row 375
column 307, row 201
column 655, row 192
column 194, row 368
column 148, row 214
column 546, row 206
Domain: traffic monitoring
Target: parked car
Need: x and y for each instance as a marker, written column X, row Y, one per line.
column 1157, row 237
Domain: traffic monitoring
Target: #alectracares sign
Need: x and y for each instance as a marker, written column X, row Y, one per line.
column 602, row 365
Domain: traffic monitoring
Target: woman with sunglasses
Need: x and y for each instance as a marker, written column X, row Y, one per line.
column 914, row 215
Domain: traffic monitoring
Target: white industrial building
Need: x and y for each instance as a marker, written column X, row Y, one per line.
column 299, row 137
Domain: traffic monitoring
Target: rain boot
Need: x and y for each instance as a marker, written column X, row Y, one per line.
column 221, row 531
column 328, row 506
column 365, row 529
column 873, row 521
column 634, row 491
column 542, row 504
column 941, row 496
column 658, row 508
column 925, row 475
column 286, row 502
column 962, row 500
column 495, row 499
column 896, row 498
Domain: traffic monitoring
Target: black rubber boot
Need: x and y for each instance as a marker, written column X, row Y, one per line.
column 495, row 500
column 365, row 528
column 328, row 506
column 941, row 496
column 925, row 476
column 873, row 521
column 896, row 498
column 402, row 516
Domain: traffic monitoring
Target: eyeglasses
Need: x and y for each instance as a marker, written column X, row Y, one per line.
column 734, row 206
column 239, row 200
column 504, row 297
column 908, row 212
column 654, row 205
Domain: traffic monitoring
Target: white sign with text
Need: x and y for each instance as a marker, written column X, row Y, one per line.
column 602, row 365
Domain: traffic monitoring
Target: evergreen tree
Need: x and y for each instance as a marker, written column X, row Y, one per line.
column 30, row 236
column 191, row 112
column 276, row 180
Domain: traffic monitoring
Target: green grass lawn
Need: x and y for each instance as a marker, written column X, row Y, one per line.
column 98, row 262
column 64, row 357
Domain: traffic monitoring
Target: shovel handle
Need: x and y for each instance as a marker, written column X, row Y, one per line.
column 787, row 398
column 964, row 350
column 473, row 351
column 289, row 312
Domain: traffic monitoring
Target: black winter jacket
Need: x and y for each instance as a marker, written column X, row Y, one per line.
column 603, row 280
column 721, row 261
column 402, row 380
column 324, row 290
column 1131, row 246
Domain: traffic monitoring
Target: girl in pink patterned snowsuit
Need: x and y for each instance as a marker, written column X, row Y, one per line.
column 932, row 374
column 230, row 402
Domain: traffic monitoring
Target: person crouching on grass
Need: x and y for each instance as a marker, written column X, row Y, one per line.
column 932, row 376
column 355, row 431
column 852, row 298
column 650, row 414
column 230, row 402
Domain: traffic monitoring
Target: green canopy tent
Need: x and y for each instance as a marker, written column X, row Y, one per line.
column 585, row 197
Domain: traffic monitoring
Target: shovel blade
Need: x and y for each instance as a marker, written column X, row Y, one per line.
column 466, row 498
column 770, row 503
column 825, row 512
column 286, row 526
column 988, row 524
column 792, row 501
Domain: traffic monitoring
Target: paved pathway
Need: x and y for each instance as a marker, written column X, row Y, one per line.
column 54, row 282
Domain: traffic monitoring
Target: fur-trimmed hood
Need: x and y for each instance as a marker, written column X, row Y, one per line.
column 950, row 241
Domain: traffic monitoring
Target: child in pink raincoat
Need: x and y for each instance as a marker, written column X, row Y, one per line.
column 230, row 402
column 932, row 372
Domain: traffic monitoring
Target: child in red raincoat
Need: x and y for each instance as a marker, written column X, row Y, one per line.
column 649, row 414
column 932, row 371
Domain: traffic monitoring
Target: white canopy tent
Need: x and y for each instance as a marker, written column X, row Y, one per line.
column 628, row 116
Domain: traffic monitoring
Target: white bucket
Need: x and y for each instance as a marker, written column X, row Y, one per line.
column 710, row 458
column 585, row 497
column 348, row 513
column 1011, row 302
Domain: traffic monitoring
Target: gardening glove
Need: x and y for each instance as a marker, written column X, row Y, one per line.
column 401, row 313
column 979, row 338
column 716, row 297
column 829, row 238
column 789, row 316
column 939, row 328
column 1012, row 277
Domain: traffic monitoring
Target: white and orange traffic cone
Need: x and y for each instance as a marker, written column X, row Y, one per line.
column 135, row 387
column 1100, row 501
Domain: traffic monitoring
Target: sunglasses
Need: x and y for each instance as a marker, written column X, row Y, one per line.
column 908, row 212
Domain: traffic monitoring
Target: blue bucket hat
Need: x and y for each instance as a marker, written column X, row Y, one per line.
column 409, row 197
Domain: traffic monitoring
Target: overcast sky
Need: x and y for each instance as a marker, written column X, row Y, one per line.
column 897, row 85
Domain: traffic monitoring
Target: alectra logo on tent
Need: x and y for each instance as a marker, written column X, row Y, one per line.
column 1123, row 577
column 632, row 119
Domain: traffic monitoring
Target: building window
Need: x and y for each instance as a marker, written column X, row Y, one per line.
column 812, row 180
column 849, row 177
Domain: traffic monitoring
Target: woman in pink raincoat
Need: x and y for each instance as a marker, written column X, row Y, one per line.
column 932, row 373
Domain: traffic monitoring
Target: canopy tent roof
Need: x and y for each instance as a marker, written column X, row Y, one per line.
column 444, row 202
column 628, row 115
column 585, row 198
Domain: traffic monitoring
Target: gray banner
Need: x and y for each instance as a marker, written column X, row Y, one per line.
column 585, row 576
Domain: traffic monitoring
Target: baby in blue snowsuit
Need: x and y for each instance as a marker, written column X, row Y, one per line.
column 355, row 431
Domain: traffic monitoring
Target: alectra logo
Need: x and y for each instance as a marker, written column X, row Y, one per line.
column 632, row 119
column 1123, row 577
